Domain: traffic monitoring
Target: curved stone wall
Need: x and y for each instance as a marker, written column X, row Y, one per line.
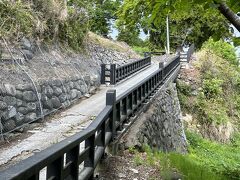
column 160, row 126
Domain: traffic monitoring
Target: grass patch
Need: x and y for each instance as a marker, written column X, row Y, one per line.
column 141, row 50
column 205, row 160
column 107, row 43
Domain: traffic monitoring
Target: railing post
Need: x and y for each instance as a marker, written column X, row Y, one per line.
column 111, row 100
column 161, row 66
column 146, row 54
column 103, row 73
column 113, row 74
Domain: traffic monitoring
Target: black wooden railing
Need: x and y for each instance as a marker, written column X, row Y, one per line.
column 112, row 74
column 68, row 159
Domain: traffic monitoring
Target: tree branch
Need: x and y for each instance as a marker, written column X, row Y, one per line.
column 229, row 14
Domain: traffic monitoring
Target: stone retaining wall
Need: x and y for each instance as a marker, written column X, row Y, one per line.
column 57, row 72
column 160, row 126
column 19, row 104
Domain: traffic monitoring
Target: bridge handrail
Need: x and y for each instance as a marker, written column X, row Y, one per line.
column 64, row 158
column 118, row 73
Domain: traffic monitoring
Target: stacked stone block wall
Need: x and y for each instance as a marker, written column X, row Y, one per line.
column 19, row 104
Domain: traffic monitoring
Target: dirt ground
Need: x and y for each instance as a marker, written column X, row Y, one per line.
column 125, row 167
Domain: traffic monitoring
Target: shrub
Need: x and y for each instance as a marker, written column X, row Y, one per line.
column 222, row 49
column 17, row 19
column 47, row 20
column 212, row 88
column 218, row 93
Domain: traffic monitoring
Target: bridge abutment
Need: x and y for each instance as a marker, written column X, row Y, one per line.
column 160, row 126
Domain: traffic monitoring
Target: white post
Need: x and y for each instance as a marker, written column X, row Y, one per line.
column 168, row 39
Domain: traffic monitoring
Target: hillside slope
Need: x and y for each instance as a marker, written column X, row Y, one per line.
column 39, row 78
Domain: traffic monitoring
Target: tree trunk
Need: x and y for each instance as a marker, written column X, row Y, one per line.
column 230, row 15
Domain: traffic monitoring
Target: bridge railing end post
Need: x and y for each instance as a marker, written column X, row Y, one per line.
column 103, row 73
column 161, row 65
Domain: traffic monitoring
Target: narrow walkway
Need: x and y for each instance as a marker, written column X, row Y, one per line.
column 67, row 122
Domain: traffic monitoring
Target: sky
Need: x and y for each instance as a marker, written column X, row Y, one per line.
column 114, row 33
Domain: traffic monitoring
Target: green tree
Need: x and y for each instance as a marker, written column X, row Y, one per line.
column 196, row 20
column 101, row 14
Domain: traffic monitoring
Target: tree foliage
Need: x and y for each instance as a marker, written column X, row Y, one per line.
column 102, row 12
column 195, row 20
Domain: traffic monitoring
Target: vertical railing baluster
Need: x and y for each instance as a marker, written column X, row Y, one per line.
column 72, row 156
column 111, row 101
column 55, row 169
column 140, row 94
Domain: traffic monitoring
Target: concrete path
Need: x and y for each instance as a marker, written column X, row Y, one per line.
column 68, row 122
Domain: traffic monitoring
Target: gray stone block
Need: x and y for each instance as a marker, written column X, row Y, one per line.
column 77, row 86
column 3, row 105
column 56, row 82
column 56, row 102
column 62, row 98
column 2, row 90
column 11, row 101
column 64, row 89
column 29, row 96
column 79, row 94
column 21, row 103
column 10, row 89
column 9, row 125
column 57, row 91
column 74, row 93
column 80, row 82
column 31, row 107
column 66, row 104
column 19, row 118
column 71, row 84
column 25, row 87
column 83, row 89
column 10, row 113
column 47, row 104
column 48, row 91
column 22, row 110
column 19, row 94
column 30, row 117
